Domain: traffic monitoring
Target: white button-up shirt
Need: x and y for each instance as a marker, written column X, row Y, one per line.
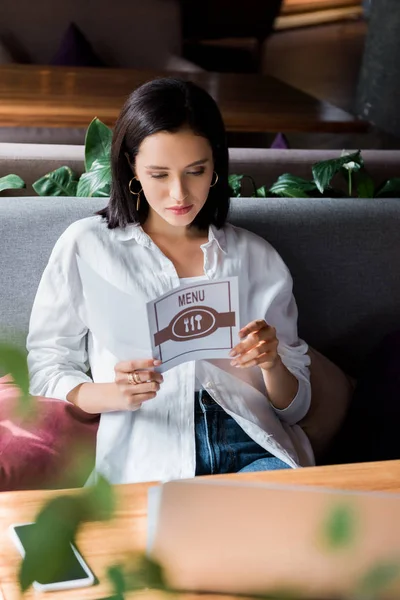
column 157, row 441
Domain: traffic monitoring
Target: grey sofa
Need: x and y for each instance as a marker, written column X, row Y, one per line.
column 343, row 254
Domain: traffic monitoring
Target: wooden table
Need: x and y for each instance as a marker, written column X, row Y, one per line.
column 32, row 95
column 105, row 543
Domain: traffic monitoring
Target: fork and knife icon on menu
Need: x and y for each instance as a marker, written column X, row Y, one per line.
column 191, row 321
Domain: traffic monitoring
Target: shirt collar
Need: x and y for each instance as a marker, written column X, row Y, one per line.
column 217, row 236
column 134, row 231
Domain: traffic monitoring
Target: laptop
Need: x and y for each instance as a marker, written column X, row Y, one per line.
column 237, row 537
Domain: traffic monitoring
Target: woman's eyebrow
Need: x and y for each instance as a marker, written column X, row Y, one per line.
column 193, row 164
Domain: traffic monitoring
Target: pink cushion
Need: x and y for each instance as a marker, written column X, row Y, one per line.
column 43, row 451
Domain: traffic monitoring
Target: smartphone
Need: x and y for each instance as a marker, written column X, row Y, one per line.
column 76, row 574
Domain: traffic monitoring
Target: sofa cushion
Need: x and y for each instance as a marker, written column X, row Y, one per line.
column 54, row 447
column 332, row 391
column 280, row 142
column 75, row 50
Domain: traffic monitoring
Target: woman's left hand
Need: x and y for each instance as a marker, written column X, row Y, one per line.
column 259, row 346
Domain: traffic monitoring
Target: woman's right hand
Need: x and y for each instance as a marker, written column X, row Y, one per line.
column 137, row 382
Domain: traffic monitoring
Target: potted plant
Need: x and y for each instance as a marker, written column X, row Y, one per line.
column 350, row 166
column 324, row 177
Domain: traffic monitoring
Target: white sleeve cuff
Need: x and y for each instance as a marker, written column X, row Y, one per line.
column 299, row 406
column 61, row 388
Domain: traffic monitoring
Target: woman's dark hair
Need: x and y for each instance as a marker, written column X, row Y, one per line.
column 165, row 104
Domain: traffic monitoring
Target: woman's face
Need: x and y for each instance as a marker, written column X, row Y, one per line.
column 175, row 171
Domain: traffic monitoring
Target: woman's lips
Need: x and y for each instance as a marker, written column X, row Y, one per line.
column 177, row 210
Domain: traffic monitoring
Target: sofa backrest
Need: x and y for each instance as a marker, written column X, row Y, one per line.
column 32, row 161
column 343, row 255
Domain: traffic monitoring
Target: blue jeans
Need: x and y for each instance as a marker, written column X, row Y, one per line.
column 221, row 444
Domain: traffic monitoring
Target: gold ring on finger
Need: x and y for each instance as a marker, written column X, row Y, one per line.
column 134, row 378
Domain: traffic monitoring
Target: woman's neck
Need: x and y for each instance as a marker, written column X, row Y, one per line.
column 160, row 228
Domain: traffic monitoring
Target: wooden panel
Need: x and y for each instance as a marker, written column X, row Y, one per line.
column 299, row 6
column 45, row 96
column 317, row 17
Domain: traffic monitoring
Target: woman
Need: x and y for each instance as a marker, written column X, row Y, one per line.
column 166, row 224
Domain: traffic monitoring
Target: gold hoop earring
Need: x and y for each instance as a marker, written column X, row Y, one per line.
column 135, row 194
column 216, row 179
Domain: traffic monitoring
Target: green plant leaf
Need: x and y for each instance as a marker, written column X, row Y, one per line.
column 61, row 182
column 390, row 189
column 262, row 192
column 13, row 362
column 116, row 576
column 97, row 143
column 11, row 182
column 48, row 546
column 339, row 528
column 153, row 573
column 324, row 170
column 290, row 186
column 365, row 185
column 235, row 183
column 98, row 502
column 97, row 181
column 291, row 192
column 147, row 574
column 379, row 577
